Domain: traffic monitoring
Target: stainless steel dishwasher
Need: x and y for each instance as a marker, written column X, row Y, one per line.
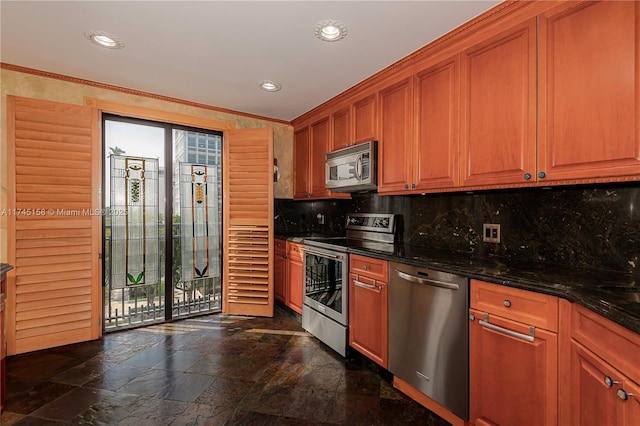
column 429, row 333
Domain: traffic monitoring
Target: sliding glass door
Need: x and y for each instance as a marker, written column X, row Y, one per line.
column 162, row 222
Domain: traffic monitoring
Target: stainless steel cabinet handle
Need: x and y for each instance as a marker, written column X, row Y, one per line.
column 426, row 281
column 363, row 285
column 529, row 338
column 507, row 303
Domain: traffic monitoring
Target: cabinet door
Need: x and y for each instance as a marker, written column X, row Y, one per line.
column 295, row 274
column 498, row 122
column 512, row 381
column 340, row 127
column 319, row 148
column 368, row 313
column 394, row 147
column 590, row 90
column 632, row 405
column 365, row 119
column 436, row 146
column 280, row 270
column 301, row 183
column 593, row 402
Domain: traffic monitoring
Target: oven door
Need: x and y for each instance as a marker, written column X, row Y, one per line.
column 325, row 282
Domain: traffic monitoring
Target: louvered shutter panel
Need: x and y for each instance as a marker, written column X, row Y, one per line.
column 54, row 233
column 248, row 222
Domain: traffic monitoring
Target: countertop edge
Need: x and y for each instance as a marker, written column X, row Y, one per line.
column 583, row 297
column 564, row 284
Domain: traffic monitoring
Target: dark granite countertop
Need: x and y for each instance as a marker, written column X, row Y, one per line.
column 299, row 238
column 614, row 295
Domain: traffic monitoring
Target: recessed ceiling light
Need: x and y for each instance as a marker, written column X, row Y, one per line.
column 330, row 30
column 269, row 86
column 104, row 40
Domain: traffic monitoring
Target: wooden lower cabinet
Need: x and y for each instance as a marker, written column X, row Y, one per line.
column 2, row 339
column 280, row 270
column 604, row 372
column 295, row 277
column 512, row 380
column 288, row 274
column 368, row 308
column 595, row 401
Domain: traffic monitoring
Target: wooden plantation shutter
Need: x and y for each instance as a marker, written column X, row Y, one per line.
column 54, row 230
column 248, row 219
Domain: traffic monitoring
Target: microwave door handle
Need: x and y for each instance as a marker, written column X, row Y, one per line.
column 359, row 167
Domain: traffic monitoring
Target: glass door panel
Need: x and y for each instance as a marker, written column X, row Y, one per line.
column 148, row 278
column 197, row 222
column 134, row 223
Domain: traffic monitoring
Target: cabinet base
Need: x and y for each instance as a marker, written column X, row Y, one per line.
column 427, row 402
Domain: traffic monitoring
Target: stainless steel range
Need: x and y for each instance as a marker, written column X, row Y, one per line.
column 326, row 268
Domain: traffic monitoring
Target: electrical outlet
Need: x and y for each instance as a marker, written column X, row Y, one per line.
column 491, row 233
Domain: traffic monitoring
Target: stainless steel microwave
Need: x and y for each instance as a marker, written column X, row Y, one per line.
column 352, row 169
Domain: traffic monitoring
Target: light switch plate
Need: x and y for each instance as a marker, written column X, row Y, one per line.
column 491, row 232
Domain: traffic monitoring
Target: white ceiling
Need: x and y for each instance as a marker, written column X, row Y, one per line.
column 216, row 52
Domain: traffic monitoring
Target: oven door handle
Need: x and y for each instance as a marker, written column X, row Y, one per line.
column 324, row 254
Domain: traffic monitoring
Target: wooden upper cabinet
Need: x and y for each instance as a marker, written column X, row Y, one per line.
column 394, row 145
column 436, row 146
column 589, row 90
column 320, row 132
column 341, row 128
column 302, row 158
column 311, row 144
column 498, row 122
column 365, row 120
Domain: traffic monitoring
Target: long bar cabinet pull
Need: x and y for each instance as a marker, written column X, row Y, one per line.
column 529, row 338
column 363, row 285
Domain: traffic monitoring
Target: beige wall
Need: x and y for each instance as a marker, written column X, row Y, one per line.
column 32, row 86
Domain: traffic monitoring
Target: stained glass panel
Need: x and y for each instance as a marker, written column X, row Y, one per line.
column 134, row 221
column 200, row 239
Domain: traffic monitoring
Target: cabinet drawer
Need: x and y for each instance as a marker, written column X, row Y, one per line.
column 280, row 245
column 528, row 307
column 294, row 250
column 617, row 345
column 373, row 268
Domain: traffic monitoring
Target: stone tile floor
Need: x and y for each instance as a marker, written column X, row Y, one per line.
column 210, row 370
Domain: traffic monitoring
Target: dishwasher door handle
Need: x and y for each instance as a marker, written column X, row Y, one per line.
column 529, row 338
column 427, row 281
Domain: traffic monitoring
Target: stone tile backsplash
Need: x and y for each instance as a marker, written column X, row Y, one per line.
column 581, row 226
